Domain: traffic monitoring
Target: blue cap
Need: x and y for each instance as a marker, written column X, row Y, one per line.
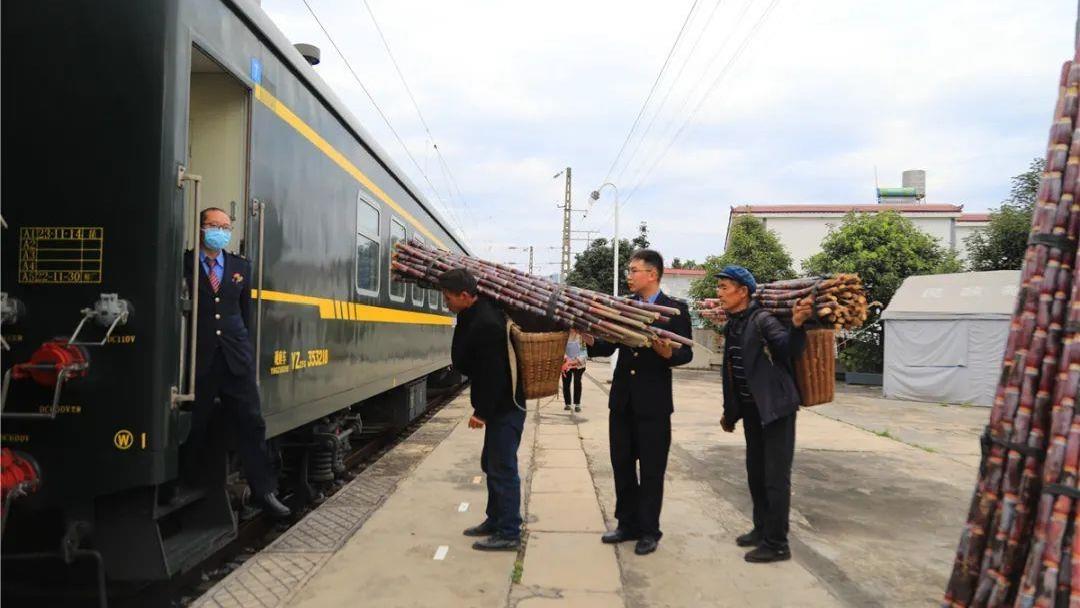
column 739, row 275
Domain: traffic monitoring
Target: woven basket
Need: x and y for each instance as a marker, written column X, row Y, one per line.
column 815, row 369
column 539, row 360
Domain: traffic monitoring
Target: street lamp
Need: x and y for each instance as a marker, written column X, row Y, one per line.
column 615, row 256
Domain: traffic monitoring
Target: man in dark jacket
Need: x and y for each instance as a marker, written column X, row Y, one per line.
column 759, row 387
column 640, row 403
column 225, row 363
column 480, row 350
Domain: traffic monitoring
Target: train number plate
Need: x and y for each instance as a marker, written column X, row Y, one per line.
column 61, row 255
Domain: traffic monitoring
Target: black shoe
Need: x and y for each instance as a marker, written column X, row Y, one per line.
column 567, row 408
column 619, row 535
column 750, row 539
column 577, row 408
column 497, row 543
column 646, row 545
column 271, row 505
column 485, row 529
column 766, row 554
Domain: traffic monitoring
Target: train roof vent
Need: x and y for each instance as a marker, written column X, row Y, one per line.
column 310, row 52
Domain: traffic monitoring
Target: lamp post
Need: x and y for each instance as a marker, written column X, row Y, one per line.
column 615, row 242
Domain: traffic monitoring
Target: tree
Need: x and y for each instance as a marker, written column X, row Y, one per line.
column 592, row 267
column 685, row 264
column 1001, row 244
column 884, row 249
column 751, row 245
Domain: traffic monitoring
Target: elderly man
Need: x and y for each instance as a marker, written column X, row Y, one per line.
column 225, row 362
column 759, row 388
column 480, row 351
column 639, row 421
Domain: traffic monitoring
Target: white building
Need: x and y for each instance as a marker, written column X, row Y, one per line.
column 676, row 282
column 801, row 227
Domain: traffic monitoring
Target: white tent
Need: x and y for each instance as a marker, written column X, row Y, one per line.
column 945, row 336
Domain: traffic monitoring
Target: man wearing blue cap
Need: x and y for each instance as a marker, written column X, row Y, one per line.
column 759, row 387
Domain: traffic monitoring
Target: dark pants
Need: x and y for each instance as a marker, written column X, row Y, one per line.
column 769, row 452
column 502, row 436
column 239, row 416
column 638, row 442
column 575, row 375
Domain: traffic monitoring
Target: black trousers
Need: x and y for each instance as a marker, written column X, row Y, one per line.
column 498, row 460
column 575, row 375
column 769, row 453
column 638, row 442
column 238, row 418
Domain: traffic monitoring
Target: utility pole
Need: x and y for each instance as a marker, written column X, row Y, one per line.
column 564, row 261
column 530, row 249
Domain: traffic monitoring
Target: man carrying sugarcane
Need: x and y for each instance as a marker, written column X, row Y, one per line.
column 480, row 351
column 640, row 404
column 759, row 387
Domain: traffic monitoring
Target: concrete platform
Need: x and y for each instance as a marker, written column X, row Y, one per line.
column 880, row 493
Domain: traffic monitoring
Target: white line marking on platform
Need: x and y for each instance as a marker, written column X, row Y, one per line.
column 440, row 553
column 477, row 479
column 463, row 507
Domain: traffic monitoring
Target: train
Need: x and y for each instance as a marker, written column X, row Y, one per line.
column 122, row 120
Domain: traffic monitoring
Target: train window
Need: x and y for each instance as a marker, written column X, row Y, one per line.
column 397, row 234
column 442, row 303
column 433, row 296
column 417, row 291
column 367, row 247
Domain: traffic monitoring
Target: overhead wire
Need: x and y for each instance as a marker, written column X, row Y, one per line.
column 374, row 103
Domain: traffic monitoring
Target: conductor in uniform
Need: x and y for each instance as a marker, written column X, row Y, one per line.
column 225, row 363
column 640, row 404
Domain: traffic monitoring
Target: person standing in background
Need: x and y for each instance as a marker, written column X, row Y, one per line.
column 573, row 369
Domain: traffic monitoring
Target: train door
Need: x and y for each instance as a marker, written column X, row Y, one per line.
column 217, row 150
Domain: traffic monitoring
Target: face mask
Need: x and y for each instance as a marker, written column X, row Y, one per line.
column 216, row 238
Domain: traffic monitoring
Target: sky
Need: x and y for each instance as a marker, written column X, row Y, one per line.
column 760, row 102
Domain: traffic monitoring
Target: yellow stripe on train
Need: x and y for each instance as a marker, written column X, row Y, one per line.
column 343, row 310
column 284, row 113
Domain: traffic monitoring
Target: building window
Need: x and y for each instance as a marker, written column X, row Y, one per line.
column 397, row 234
column 367, row 247
column 417, row 291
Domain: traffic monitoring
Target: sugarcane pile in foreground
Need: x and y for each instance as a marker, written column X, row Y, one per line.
column 1020, row 545
column 838, row 300
column 619, row 320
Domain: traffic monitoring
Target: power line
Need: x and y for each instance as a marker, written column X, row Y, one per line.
column 652, row 90
column 371, row 98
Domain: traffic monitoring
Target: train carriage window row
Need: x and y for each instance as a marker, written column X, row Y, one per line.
column 417, row 291
column 397, row 234
column 367, row 247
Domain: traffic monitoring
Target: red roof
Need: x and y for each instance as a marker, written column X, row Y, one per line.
column 974, row 217
column 870, row 208
column 689, row 272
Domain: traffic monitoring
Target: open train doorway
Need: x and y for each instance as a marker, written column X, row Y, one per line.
column 218, row 128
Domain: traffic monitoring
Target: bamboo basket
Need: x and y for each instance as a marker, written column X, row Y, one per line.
column 539, row 360
column 815, row 369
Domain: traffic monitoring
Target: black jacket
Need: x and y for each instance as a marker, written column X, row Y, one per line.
column 480, row 351
column 770, row 373
column 642, row 377
column 225, row 320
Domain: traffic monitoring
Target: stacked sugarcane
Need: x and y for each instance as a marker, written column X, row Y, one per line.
column 1019, row 546
column 620, row 320
column 839, row 300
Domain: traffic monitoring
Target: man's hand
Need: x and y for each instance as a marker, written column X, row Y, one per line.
column 588, row 339
column 663, row 347
column 475, row 423
column 802, row 311
column 729, row 427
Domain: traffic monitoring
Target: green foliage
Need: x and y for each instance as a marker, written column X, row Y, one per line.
column 751, row 245
column 1001, row 244
column 884, row 249
column 592, row 267
column 685, row 264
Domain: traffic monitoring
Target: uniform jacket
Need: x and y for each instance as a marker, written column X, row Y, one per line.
column 225, row 320
column 643, row 378
column 770, row 373
column 480, row 351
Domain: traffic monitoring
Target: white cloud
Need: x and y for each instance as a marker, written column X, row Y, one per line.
column 514, row 92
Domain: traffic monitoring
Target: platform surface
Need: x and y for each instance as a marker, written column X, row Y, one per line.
column 880, row 490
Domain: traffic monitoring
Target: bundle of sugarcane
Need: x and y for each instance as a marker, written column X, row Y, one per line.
column 839, row 300
column 614, row 319
column 1018, row 545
